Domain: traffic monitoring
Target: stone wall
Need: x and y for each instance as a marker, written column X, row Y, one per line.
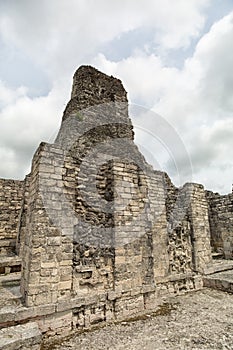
column 11, row 196
column 221, row 222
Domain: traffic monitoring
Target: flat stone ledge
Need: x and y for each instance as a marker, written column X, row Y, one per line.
column 7, row 243
column 13, row 314
column 176, row 277
column 27, row 337
column 222, row 281
column 218, row 266
column 10, row 261
column 11, row 279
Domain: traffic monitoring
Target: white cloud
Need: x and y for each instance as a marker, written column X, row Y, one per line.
column 207, row 107
column 25, row 122
column 144, row 76
column 61, row 35
column 9, row 96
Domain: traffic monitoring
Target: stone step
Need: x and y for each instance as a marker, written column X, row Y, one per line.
column 10, row 280
column 218, row 266
column 21, row 337
column 11, row 315
column 220, row 280
column 7, row 247
column 217, row 256
column 10, row 296
column 9, row 264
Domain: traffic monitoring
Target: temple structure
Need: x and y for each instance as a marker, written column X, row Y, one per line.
column 94, row 234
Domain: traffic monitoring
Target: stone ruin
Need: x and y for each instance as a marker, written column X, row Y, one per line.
column 94, row 234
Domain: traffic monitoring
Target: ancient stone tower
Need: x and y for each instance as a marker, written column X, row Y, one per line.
column 101, row 236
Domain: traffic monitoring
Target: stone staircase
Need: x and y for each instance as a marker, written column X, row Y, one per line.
column 10, row 274
column 26, row 336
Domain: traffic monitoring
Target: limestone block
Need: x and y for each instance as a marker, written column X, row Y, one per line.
column 64, row 285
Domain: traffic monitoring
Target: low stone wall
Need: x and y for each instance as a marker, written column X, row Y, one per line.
column 85, row 312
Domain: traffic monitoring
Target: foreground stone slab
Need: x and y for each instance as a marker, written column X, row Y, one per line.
column 26, row 337
column 220, row 280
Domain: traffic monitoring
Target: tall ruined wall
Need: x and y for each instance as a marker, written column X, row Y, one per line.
column 11, row 196
column 47, row 250
column 221, row 222
column 91, row 88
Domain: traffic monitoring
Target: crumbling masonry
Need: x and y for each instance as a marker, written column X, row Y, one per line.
column 94, row 234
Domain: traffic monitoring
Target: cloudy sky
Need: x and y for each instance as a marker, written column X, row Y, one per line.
column 175, row 58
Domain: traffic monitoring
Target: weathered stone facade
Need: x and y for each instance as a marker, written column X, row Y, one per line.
column 102, row 236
